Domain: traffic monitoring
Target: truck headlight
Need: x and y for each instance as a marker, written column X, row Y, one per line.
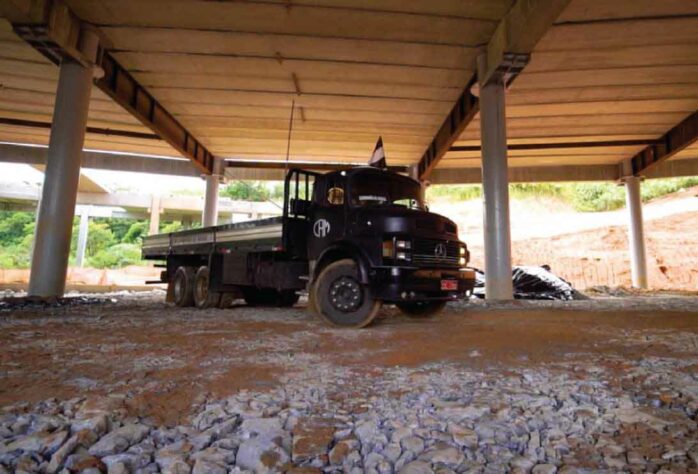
column 464, row 255
column 403, row 244
column 397, row 249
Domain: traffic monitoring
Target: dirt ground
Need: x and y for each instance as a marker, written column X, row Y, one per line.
column 591, row 249
column 163, row 359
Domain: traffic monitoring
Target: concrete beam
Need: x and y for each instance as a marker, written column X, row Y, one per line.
column 306, row 165
column 673, row 169
column 506, row 54
column 462, row 113
column 20, row 195
column 529, row 174
column 235, row 169
column 519, row 31
column 36, row 155
column 681, row 136
column 56, row 32
column 559, row 174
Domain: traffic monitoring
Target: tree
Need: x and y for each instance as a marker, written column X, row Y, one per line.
column 118, row 226
column 173, row 226
column 13, row 226
column 116, row 256
column 136, row 232
column 246, row 191
column 99, row 237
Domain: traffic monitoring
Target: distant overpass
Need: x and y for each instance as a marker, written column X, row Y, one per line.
column 187, row 209
column 141, row 206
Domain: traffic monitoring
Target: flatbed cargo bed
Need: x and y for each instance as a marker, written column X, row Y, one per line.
column 262, row 234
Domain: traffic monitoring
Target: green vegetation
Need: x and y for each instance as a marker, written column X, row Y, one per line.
column 255, row 191
column 116, row 256
column 584, row 197
column 111, row 242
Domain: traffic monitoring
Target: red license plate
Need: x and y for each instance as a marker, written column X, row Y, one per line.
column 449, row 285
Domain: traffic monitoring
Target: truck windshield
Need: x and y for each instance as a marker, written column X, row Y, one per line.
column 384, row 190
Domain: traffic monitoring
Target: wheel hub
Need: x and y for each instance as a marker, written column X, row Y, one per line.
column 346, row 294
column 178, row 290
column 202, row 287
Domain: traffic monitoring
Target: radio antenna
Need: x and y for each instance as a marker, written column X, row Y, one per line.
column 290, row 129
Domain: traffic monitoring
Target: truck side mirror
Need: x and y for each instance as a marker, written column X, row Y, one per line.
column 300, row 207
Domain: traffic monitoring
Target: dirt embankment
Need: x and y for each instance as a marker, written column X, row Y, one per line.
column 591, row 249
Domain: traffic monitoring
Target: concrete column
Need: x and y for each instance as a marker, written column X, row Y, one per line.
column 636, row 234
column 82, row 236
column 210, row 214
column 495, row 183
column 55, row 223
column 154, row 225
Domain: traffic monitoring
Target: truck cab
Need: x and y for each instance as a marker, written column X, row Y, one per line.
column 392, row 249
column 354, row 239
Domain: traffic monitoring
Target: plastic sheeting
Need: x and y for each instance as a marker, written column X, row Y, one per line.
column 533, row 283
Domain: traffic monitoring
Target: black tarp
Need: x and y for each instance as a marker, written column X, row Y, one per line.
column 533, row 283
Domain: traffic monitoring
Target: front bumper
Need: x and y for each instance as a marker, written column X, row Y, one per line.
column 398, row 284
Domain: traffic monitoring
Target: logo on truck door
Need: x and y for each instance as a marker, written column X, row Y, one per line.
column 321, row 228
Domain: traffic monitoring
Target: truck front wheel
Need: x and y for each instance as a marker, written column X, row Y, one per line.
column 203, row 297
column 340, row 297
column 421, row 309
column 183, row 287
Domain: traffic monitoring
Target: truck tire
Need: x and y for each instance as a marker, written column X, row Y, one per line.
column 421, row 309
column 312, row 300
column 183, row 287
column 203, row 297
column 340, row 297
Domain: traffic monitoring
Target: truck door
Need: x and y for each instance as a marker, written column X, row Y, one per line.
column 328, row 219
column 298, row 204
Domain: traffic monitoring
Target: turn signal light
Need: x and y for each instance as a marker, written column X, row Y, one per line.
column 388, row 248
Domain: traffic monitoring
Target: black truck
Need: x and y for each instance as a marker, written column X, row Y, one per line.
column 354, row 239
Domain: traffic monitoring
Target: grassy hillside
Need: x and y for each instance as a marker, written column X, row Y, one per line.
column 584, row 197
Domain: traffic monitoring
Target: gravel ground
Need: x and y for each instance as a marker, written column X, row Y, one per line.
column 605, row 385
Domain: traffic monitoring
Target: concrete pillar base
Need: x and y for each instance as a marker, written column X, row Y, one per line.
column 636, row 233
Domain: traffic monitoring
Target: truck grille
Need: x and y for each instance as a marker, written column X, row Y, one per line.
column 426, row 254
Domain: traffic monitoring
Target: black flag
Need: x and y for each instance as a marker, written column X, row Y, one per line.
column 378, row 157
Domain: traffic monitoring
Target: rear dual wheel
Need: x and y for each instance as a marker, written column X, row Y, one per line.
column 183, row 287
column 203, row 296
column 341, row 299
column 190, row 287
